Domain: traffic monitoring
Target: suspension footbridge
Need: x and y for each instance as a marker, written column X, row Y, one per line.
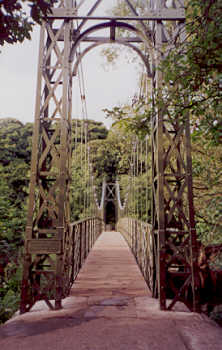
column 165, row 248
column 75, row 265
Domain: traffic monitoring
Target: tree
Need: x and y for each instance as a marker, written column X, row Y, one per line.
column 17, row 18
column 15, row 150
column 132, row 119
column 192, row 70
column 12, row 225
column 207, row 185
column 192, row 86
column 87, row 130
column 83, row 133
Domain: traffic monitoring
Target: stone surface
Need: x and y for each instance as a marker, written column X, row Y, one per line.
column 110, row 307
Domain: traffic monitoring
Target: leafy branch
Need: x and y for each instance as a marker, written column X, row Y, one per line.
column 17, row 20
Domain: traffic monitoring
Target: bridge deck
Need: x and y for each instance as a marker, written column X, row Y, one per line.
column 110, row 271
column 109, row 308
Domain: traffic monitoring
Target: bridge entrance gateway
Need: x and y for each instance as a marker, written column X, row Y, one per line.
column 55, row 249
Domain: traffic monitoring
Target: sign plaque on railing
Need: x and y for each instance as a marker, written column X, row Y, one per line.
column 44, row 246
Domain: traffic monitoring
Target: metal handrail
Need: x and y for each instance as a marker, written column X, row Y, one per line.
column 77, row 244
column 142, row 242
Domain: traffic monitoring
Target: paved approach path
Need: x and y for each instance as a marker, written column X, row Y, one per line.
column 109, row 308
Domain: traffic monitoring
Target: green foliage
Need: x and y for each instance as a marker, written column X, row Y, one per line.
column 15, row 141
column 79, row 188
column 100, row 158
column 12, row 225
column 17, row 20
column 139, row 201
column 207, row 178
column 192, row 71
column 84, row 135
column 111, row 159
column 84, row 131
column 105, row 159
column 10, row 293
column 132, row 119
column 15, row 150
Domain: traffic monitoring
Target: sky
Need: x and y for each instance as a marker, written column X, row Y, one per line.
column 105, row 86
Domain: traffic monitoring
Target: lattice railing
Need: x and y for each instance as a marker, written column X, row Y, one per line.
column 43, row 280
column 81, row 238
column 142, row 242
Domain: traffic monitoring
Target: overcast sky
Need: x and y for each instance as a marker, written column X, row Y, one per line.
column 105, row 87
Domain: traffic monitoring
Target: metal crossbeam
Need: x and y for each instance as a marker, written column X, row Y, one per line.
column 163, row 15
column 97, row 39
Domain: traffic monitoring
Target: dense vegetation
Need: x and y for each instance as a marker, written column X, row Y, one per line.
column 15, row 157
column 14, row 168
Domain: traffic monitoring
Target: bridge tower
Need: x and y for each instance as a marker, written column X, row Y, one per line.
column 47, row 233
column 110, row 206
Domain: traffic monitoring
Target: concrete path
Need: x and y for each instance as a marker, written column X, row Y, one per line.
column 110, row 308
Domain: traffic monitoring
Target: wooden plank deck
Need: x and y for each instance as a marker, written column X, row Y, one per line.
column 110, row 270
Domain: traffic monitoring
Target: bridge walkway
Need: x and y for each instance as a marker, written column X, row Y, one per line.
column 110, row 307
